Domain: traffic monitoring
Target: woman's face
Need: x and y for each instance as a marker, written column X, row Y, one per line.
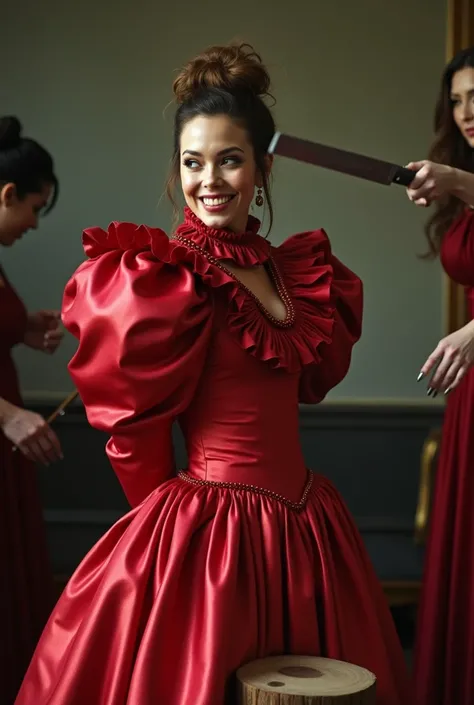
column 218, row 171
column 18, row 215
column 462, row 97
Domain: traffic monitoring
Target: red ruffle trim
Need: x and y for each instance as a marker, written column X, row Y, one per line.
column 304, row 262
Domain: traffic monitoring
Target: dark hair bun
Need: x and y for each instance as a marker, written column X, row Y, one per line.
column 10, row 132
column 233, row 68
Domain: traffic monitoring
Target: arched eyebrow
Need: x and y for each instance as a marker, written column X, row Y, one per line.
column 455, row 96
column 222, row 153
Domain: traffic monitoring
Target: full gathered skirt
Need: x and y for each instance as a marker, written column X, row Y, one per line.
column 200, row 579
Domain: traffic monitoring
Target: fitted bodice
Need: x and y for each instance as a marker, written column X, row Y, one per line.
column 166, row 333
column 457, row 254
column 242, row 424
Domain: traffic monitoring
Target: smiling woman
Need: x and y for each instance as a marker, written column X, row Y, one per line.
column 236, row 127
column 218, row 181
column 246, row 553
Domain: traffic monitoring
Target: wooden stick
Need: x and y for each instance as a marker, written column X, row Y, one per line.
column 59, row 411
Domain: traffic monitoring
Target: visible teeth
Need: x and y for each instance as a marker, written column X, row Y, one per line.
column 216, row 201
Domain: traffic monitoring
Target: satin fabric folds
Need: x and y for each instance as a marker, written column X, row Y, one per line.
column 246, row 552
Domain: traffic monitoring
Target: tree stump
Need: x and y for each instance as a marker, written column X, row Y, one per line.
column 304, row 680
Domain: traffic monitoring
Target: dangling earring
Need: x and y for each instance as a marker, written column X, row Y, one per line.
column 259, row 198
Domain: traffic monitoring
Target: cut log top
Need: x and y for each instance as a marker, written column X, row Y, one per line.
column 304, row 680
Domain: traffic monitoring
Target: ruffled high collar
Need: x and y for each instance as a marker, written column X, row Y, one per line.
column 245, row 249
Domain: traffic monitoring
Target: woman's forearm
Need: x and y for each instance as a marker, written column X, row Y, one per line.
column 470, row 327
column 5, row 410
column 463, row 186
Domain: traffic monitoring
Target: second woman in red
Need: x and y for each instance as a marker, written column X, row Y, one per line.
column 444, row 653
column 28, row 187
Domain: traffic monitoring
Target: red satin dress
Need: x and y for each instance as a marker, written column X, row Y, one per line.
column 245, row 553
column 444, row 653
column 25, row 578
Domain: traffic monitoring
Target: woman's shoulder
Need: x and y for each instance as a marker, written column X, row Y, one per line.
column 129, row 243
column 123, row 236
column 137, row 271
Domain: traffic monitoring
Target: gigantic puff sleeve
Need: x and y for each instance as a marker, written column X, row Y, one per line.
column 143, row 327
column 346, row 296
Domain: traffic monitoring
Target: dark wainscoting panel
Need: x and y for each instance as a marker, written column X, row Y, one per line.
column 370, row 452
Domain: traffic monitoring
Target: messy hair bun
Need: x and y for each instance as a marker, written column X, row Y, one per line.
column 10, row 132
column 24, row 162
column 235, row 68
column 231, row 81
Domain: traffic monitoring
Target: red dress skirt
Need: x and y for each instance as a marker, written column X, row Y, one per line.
column 245, row 554
column 26, row 585
column 444, row 653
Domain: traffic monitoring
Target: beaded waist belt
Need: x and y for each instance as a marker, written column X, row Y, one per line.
column 296, row 506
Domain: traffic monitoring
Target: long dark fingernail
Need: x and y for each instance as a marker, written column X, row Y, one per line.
column 435, row 394
column 447, row 390
column 420, row 377
column 430, row 391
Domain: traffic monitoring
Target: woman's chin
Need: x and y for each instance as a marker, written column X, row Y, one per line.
column 219, row 222
column 8, row 240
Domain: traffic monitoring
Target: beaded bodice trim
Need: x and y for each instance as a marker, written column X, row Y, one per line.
column 289, row 319
column 295, row 506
